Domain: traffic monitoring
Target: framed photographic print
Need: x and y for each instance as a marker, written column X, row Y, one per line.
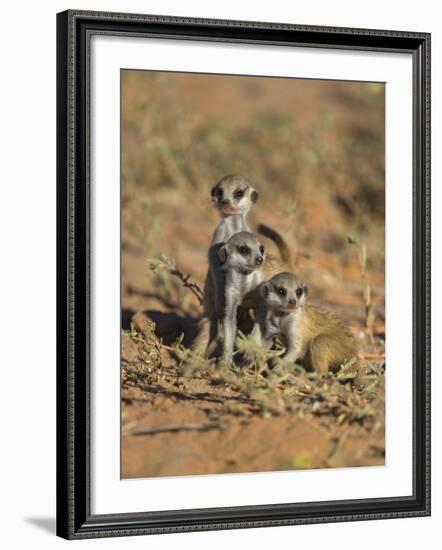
column 243, row 274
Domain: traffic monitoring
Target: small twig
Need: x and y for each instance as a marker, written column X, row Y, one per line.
column 163, row 262
column 178, row 428
column 169, row 348
column 371, row 356
column 337, row 444
column 193, row 287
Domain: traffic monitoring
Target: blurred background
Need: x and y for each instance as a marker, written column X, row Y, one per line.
column 313, row 149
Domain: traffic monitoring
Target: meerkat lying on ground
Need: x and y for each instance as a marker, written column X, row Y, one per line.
column 314, row 336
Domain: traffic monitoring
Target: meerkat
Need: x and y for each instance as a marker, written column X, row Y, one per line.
column 283, row 248
column 313, row 336
column 233, row 196
column 241, row 259
column 209, row 333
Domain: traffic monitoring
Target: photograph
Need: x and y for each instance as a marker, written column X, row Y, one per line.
column 226, row 213
column 253, row 255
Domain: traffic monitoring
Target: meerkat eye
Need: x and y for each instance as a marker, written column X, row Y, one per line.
column 244, row 250
column 281, row 291
column 298, row 291
column 261, row 249
column 239, row 194
column 219, row 192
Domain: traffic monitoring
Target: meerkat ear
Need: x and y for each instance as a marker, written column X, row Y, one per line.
column 254, row 196
column 305, row 289
column 222, row 254
column 264, row 290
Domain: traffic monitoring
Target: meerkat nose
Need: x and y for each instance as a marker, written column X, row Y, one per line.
column 258, row 260
column 292, row 301
column 225, row 201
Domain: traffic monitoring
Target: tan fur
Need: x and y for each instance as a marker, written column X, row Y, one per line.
column 314, row 336
column 325, row 340
column 273, row 266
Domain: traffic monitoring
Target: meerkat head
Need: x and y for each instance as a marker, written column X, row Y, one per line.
column 233, row 195
column 243, row 252
column 284, row 293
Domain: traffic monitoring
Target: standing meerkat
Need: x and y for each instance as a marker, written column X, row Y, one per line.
column 240, row 274
column 312, row 335
column 233, row 196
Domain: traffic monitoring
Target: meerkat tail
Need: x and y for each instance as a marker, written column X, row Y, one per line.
column 278, row 240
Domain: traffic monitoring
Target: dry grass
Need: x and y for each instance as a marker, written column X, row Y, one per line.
column 315, row 152
column 354, row 394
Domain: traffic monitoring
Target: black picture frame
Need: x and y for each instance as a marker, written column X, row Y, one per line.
column 74, row 518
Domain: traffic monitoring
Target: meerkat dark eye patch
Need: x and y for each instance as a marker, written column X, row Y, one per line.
column 238, row 194
column 261, row 249
column 244, row 250
column 299, row 291
column 281, row 291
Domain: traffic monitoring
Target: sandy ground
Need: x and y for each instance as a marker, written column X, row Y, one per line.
column 166, row 210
